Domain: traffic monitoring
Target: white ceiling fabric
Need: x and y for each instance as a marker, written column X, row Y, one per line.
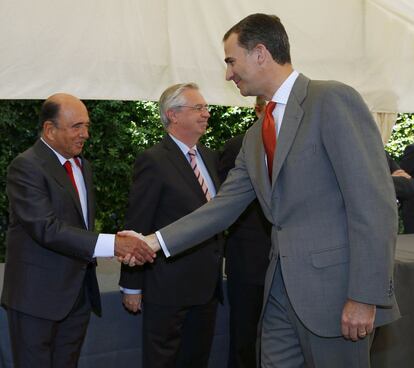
column 134, row 49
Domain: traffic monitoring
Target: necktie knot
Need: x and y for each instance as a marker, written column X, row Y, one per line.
column 68, row 166
column 192, row 152
column 270, row 107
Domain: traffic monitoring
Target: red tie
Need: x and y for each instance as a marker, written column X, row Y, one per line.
column 269, row 135
column 68, row 168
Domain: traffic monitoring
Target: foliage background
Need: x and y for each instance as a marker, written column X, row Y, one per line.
column 119, row 130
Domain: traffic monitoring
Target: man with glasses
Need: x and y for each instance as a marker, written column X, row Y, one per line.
column 179, row 296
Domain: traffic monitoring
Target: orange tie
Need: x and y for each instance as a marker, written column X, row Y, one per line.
column 269, row 136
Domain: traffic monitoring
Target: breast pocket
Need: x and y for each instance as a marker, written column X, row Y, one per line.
column 303, row 154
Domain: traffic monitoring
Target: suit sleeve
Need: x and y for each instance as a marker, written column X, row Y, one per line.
column 404, row 188
column 142, row 207
column 33, row 201
column 354, row 147
column 228, row 156
column 215, row 216
column 407, row 159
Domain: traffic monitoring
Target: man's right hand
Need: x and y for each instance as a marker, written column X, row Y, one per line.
column 132, row 302
column 128, row 245
column 402, row 173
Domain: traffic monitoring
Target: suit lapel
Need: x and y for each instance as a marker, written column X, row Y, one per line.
column 182, row 165
column 56, row 170
column 208, row 160
column 291, row 121
column 259, row 160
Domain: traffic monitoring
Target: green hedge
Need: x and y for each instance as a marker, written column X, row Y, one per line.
column 119, row 130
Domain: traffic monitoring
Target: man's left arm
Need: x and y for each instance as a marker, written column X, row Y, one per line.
column 353, row 144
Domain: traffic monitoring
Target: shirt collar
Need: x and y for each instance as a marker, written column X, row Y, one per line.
column 281, row 96
column 183, row 147
column 62, row 159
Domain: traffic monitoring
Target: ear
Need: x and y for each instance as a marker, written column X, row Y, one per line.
column 261, row 53
column 48, row 130
column 172, row 116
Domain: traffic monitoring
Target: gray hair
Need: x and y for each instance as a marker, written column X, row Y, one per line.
column 172, row 98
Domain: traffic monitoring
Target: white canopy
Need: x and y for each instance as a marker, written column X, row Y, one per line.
column 134, row 49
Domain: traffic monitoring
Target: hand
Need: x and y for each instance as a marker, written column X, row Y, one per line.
column 402, row 173
column 132, row 302
column 357, row 320
column 130, row 244
column 151, row 240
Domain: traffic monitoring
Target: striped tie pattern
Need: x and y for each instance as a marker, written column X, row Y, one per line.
column 197, row 173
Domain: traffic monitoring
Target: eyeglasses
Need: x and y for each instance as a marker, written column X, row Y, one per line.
column 199, row 108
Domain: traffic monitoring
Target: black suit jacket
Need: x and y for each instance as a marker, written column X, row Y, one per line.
column 404, row 187
column 248, row 242
column 165, row 189
column 407, row 207
column 49, row 249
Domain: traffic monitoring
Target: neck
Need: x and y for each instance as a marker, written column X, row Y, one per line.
column 189, row 141
column 281, row 73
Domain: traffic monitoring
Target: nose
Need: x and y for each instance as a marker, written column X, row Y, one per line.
column 84, row 132
column 205, row 113
column 229, row 73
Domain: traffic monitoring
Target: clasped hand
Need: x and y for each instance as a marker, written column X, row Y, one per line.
column 131, row 248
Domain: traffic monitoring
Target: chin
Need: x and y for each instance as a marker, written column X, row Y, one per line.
column 245, row 93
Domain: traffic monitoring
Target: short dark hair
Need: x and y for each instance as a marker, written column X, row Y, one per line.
column 49, row 112
column 265, row 29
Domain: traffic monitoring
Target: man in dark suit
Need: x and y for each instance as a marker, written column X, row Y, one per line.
column 403, row 182
column 179, row 295
column 407, row 206
column 247, row 257
column 50, row 285
column 316, row 164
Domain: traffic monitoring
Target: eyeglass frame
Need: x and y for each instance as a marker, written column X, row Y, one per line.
column 199, row 107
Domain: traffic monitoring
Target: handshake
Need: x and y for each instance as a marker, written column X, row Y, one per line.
column 134, row 249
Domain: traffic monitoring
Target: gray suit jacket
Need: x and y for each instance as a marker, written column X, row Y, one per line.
column 331, row 204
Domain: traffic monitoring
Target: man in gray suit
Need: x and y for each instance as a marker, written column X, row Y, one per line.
column 330, row 200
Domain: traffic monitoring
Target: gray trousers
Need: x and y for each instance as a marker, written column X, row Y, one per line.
column 287, row 343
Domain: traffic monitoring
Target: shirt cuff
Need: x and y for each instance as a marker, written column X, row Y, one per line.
column 130, row 291
column 162, row 244
column 105, row 246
